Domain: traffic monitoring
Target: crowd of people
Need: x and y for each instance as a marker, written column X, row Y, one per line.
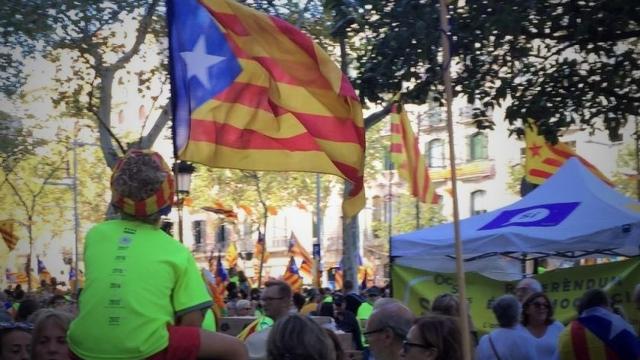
column 144, row 298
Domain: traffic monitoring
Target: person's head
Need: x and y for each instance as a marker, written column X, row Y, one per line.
column 244, row 308
column 15, row 341
column 636, row 296
column 276, row 299
column 57, row 301
column 433, row 337
column 373, row 293
column 242, row 277
column 593, row 298
column 142, row 186
column 298, row 301
column 537, row 310
column 506, row 308
column 27, row 307
column 384, row 301
column 326, row 309
column 49, row 340
column 527, row 287
column 446, row 304
column 386, row 329
column 299, row 337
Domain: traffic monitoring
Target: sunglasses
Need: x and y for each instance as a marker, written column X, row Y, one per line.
column 272, row 298
column 406, row 346
column 539, row 305
column 371, row 332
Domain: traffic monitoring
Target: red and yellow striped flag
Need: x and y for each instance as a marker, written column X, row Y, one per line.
column 259, row 257
column 543, row 159
column 306, row 268
column 296, row 249
column 231, row 257
column 251, row 91
column 8, row 235
column 406, row 156
column 292, row 276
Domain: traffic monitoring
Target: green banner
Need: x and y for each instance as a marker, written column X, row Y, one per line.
column 418, row 288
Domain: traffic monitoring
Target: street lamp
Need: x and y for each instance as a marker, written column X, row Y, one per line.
column 183, row 171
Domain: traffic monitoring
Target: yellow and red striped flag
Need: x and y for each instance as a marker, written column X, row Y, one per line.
column 406, row 156
column 306, row 268
column 8, row 235
column 543, row 159
column 258, row 256
column 250, row 91
column 292, row 276
column 231, row 257
column 296, row 249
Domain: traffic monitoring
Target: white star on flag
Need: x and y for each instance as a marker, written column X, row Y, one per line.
column 198, row 62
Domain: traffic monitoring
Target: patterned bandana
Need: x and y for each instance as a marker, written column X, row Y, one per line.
column 161, row 201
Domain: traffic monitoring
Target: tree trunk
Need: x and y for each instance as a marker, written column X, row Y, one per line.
column 350, row 243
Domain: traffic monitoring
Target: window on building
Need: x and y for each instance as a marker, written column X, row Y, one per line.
column 478, row 146
column 199, row 229
column 435, row 153
column 478, row 205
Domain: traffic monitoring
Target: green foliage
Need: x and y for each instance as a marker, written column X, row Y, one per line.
column 404, row 219
column 558, row 62
column 516, row 172
column 628, row 177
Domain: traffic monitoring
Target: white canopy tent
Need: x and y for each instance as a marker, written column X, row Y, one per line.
column 572, row 214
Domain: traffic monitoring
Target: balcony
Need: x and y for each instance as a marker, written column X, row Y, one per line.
column 469, row 171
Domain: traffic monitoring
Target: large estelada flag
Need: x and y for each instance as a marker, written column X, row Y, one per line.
column 406, row 156
column 292, row 276
column 251, row 91
column 543, row 159
column 8, row 234
column 296, row 249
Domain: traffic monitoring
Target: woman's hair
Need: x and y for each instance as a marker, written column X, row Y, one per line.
column 507, row 310
column 529, row 302
column 298, row 337
column 41, row 318
column 442, row 333
column 446, row 304
column 8, row 327
column 326, row 309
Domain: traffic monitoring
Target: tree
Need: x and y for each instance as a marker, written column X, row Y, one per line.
column 627, row 178
column 558, row 62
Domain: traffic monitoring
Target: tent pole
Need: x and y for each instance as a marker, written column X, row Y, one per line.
column 446, row 62
column 523, row 265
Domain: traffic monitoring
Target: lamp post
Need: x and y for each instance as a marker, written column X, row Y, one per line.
column 183, row 171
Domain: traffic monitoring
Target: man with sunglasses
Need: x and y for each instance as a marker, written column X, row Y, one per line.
column 276, row 301
column 386, row 329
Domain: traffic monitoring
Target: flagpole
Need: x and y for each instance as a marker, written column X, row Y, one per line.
column 264, row 226
column 417, row 199
column 317, row 279
column 446, row 67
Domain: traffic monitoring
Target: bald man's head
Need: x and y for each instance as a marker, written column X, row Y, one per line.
column 387, row 328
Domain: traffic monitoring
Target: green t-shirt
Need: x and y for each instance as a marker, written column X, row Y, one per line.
column 138, row 280
column 209, row 321
column 364, row 313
